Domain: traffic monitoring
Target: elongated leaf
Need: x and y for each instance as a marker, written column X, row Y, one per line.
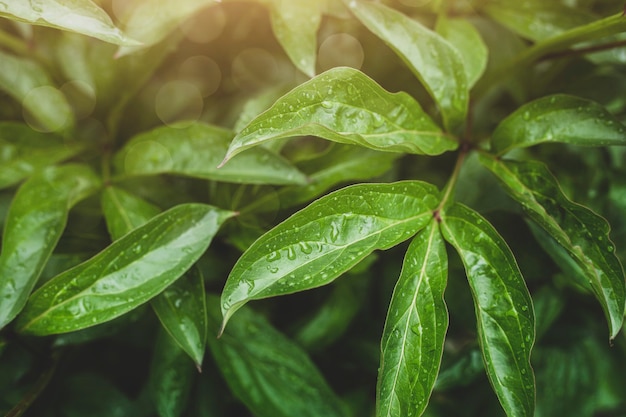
column 171, row 377
column 325, row 239
column 468, row 42
column 28, row 83
column 581, row 232
column 24, row 151
column 195, row 151
column 131, row 271
column 434, row 61
column 344, row 105
column 181, row 307
column 35, row 221
column 558, row 118
column 268, row 372
column 504, row 310
column 151, row 21
column 417, row 321
column 81, row 16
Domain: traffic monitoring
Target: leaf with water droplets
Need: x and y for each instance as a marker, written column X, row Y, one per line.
column 80, row 16
column 34, row 224
column 558, row 118
column 195, row 151
column 344, row 105
column 129, row 272
column 417, row 321
column 328, row 237
column 251, row 350
column 504, row 310
column 435, row 62
column 24, row 151
column 581, row 232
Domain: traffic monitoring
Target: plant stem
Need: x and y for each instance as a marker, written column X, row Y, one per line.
column 450, row 186
column 14, row 44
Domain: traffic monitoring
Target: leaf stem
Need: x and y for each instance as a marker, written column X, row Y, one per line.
column 449, row 188
column 14, row 44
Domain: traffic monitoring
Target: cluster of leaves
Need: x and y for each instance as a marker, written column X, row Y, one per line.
column 476, row 123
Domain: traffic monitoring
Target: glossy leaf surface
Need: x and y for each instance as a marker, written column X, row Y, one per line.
column 268, row 372
column 581, row 232
column 36, row 219
column 417, row 321
column 558, row 118
column 344, row 105
column 196, row 151
column 325, row 239
column 129, row 272
column 24, row 151
column 504, row 310
column 171, row 377
column 81, row 16
column 29, row 84
column 124, row 212
column 434, row 61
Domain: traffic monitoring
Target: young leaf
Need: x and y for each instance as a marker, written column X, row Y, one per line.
column 417, row 320
column 195, row 151
column 24, row 151
column 268, row 372
column 35, row 221
column 81, row 16
column 181, row 307
column 558, row 118
column 344, row 105
column 325, row 239
column 504, row 310
column 129, row 272
column 581, row 232
column 468, row 42
column 434, row 61
column 28, row 83
column 171, row 377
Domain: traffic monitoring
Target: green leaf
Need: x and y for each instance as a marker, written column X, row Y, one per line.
column 195, row 151
column 344, row 105
column 81, row 16
column 24, row 151
column 91, row 394
column 504, row 310
column 151, row 21
column 125, row 212
column 35, row 221
column 129, row 272
column 171, row 377
column 29, row 84
column 558, row 118
column 268, row 372
column 468, row 42
column 417, row 321
column 181, row 308
column 325, row 239
column 433, row 60
column 463, row 370
column 581, row 232
column 537, row 19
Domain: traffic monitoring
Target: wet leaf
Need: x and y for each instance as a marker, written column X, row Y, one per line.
column 468, row 42
column 328, row 237
column 35, row 221
column 196, row 151
column 268, row 372
column 129, row 272
column 558, row 118
column 504, row 310
column 581, row 232
column 80, row 16
column 462, row 371
column 29, row 84
column 344, row 105
column 417, row 321
column 24, row 151
column 171, row 377
column 433, row 60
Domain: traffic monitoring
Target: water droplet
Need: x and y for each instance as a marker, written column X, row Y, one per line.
column 526, row 115
column 274, row 256
column 291, row 253
column 417, row 329
column 306, row 248
column 334, row 232
column 327, row 104
column 249, row 283
column 610, row 248
column 272, row 269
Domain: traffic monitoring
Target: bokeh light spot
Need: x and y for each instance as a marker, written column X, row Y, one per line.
column 253, row 68
column 340, row 49
column 178, row 101
column 205, row 26
column 203, row 72
column 81, row 96
column 45, row 101
column 148, row 156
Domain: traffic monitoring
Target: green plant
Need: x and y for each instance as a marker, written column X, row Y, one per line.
column 159, row 155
